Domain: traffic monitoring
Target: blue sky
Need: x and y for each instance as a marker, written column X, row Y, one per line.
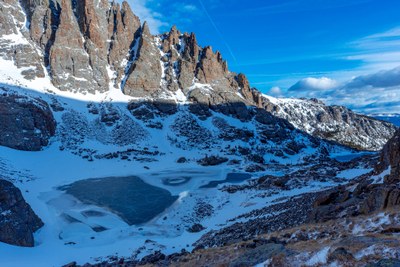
column 300, row 48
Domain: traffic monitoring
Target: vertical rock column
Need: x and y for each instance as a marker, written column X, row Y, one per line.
column 123, row 26
column 69, row 62
column 94, row 27
column 144, row 77
column 188, row 63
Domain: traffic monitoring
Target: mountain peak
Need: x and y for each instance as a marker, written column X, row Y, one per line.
column 146, row 29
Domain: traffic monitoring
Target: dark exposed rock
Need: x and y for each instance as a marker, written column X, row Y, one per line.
column 110, row 118
column 229, row 133
column 212, row 161
column 390, row 157
column 385, row 263
column 201, row 110
column 79, row 40
column 258, row 255
column 166, row 107
column 195, row 228
column 191, row 134
column 153, row 258
column 341, row 255
column 142, row 110
column 181, row 160
column 149, row 110
column 25, row 123
column 254, row 168
column 17, row 220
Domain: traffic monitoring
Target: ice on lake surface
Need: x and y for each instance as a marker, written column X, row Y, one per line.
column 135, row 201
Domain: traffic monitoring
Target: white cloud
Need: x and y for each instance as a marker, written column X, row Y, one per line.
column 275, row 91
column 390, row 33
column 378, row 51
column 382, row 79
column 142, row 10
column 189, row 8
column 314, row 84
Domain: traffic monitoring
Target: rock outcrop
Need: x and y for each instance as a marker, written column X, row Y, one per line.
column 17, row 220
column 25, row 123
column 390, row 158
column 376, row 191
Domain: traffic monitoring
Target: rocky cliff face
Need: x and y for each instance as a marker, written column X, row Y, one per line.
column 390, row 159
column 13, row 44
column 17, row 220
column 144, row 76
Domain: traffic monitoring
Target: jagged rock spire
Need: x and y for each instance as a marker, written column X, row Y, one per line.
column 144, row 77
column 81, row 39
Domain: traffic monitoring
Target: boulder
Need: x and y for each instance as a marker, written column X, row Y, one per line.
column 18, row 222
column 25, row 123
column 212, row 161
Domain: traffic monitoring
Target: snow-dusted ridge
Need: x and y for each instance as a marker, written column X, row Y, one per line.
column 334, row 123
